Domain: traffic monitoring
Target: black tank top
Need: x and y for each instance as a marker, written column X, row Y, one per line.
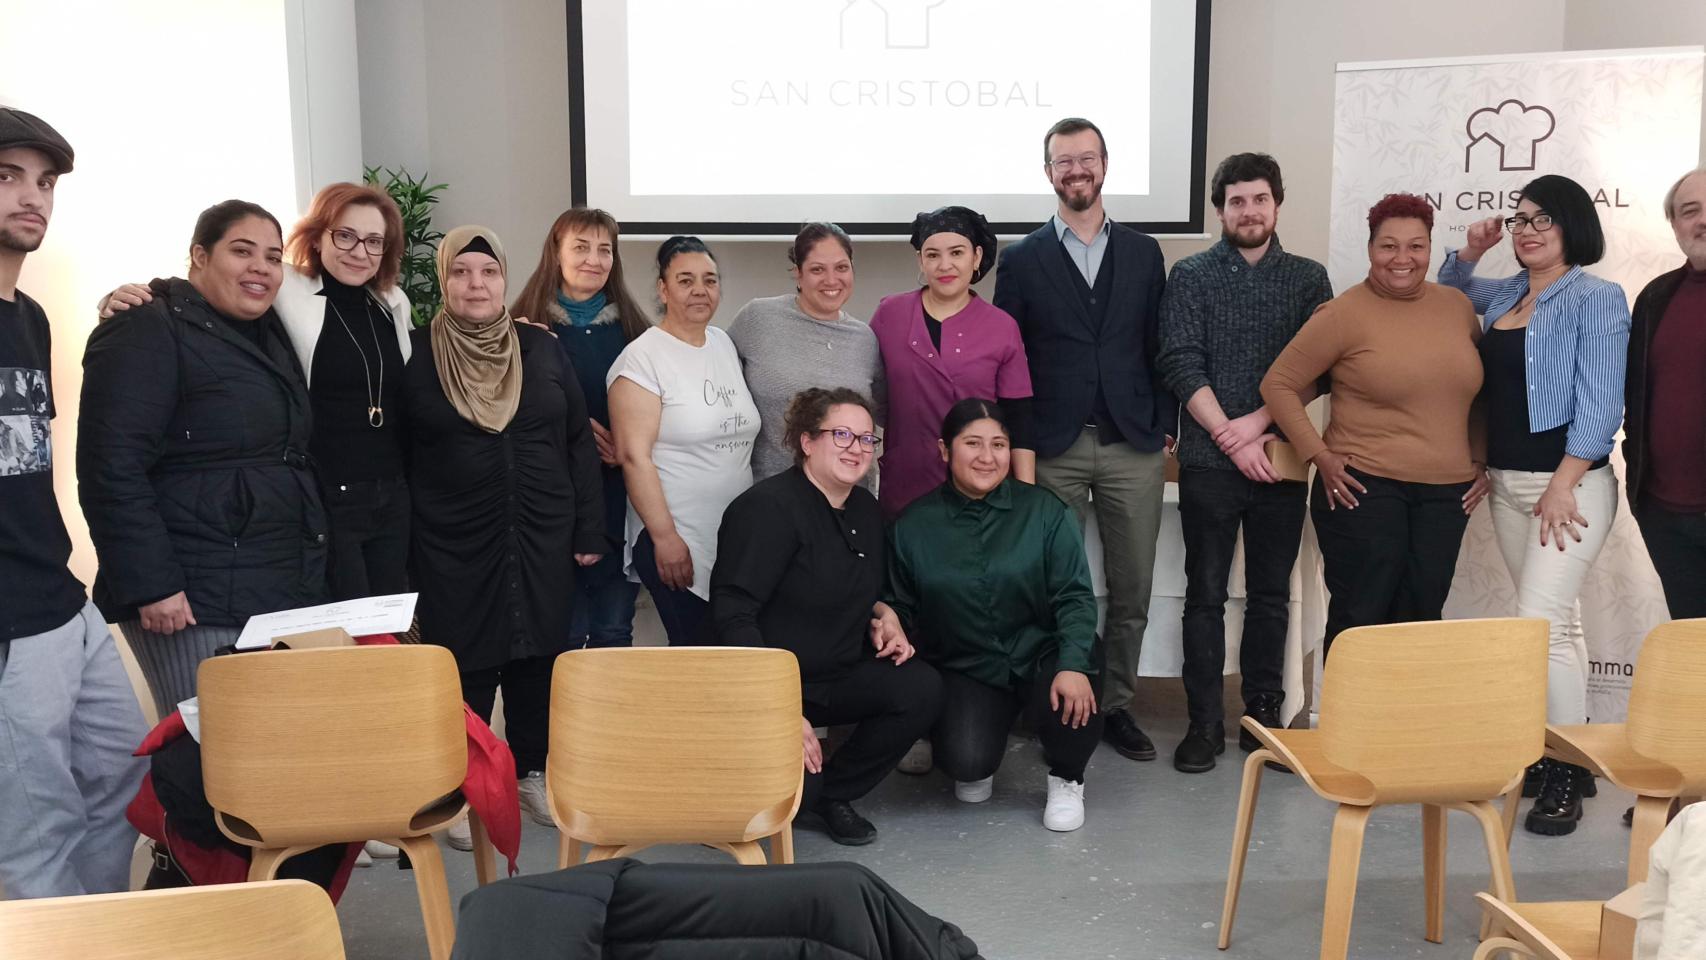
column 1510, row 444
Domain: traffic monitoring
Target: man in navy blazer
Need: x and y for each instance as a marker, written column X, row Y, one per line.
column 1086, row 292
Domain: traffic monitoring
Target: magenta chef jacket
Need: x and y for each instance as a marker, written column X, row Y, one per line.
column 982, row 355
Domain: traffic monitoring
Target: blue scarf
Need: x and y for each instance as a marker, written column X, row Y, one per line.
column 582, row 312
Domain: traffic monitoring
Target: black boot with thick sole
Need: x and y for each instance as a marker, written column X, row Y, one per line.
column 1559, row 807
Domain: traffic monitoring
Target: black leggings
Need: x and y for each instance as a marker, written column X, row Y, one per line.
column 527, row 706
column 971, row 734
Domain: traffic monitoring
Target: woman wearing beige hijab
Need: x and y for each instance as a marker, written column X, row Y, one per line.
column 507, row 497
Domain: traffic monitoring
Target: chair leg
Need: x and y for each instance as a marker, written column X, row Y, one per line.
column 434, row 893
column 1433, row 869
column 1498, row 857
column 1651, row 815
column 1507, row 813
column 569, row 851
column 485, row 858
column 597, row 852
column 265, row 861
column 1342, row 865
column 747, row 852
column 1247, row 792
column 1507, row 818
column 782, row 845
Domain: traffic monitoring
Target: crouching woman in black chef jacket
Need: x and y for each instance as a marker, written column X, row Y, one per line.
column 800, row 563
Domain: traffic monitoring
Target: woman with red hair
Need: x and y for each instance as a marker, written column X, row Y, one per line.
column 349, row 324
column 1397, row 473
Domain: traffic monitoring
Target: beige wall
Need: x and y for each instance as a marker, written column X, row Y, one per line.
column 479, row 98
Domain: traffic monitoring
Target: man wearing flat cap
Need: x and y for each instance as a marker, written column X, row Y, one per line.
column 1086, row 293
column 68, row 716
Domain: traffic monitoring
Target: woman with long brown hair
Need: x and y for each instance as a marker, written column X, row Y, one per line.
column 578, row 290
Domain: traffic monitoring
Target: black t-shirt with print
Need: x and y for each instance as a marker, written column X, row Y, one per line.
column 37, row 590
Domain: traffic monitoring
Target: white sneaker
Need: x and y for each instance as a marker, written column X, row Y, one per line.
column 1065, row 809
column 460, row 836
column 363, row 859
column 974, row 791
column 380, row 850
column 531, row 789
column 918, row 761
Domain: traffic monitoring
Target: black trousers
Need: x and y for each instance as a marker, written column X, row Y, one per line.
column 369, row 549
column 527, row 706
column 1213, row 505
column 891, row 707
column 970, row 737
column 683, row 612
column 1677, row 544
column 1392, row 558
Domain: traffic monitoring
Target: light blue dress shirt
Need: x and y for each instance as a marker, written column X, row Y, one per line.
column 1088, row 257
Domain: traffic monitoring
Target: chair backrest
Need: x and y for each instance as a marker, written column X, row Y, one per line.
column 272, row 920
column 1448, row 710
column 329, row 745
column 675, row 744
column 1667, row 705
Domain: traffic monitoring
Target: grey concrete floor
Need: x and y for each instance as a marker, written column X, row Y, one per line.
column 1142, row 879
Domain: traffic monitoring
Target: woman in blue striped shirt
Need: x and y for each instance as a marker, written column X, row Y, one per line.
column 1553, row 354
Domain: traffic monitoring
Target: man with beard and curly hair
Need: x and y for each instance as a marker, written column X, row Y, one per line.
column 1227, row 313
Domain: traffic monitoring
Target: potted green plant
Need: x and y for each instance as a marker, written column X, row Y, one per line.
column 415, row 200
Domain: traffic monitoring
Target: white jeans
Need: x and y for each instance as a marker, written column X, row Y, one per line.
column 1549, row 582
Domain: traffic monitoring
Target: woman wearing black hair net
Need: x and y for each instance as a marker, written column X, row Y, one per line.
column 942, row 343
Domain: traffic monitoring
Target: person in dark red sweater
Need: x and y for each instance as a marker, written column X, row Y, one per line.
column 1665, row 394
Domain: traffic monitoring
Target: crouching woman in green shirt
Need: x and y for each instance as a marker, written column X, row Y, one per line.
column 988, row 576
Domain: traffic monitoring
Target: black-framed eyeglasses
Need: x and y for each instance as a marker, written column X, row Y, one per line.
column 347, row 239
column 1541, row 222
column 843, row 438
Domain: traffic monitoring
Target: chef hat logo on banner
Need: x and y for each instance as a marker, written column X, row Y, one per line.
column 1515, row 127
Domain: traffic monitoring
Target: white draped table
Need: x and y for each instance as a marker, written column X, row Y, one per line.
column 1163, row 642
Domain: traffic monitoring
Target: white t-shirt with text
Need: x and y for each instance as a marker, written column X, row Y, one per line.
column 703, row 452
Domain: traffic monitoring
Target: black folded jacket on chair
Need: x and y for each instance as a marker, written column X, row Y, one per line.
column 627, row 910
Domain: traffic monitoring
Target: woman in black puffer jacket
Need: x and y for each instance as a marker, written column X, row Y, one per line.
column 191, row 456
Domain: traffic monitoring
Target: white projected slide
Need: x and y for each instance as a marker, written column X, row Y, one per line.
column 750, row 116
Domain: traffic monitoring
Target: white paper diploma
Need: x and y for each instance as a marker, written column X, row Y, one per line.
column 362, row 617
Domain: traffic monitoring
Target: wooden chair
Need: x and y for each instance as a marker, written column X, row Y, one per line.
column 1286, row 462
column 276, row 920
column 1564, row 930
column 1447, row 715
column 675, row 745
column 1659, row 752
column 302, row 748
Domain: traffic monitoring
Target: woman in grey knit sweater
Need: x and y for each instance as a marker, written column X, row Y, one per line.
column 801, row 340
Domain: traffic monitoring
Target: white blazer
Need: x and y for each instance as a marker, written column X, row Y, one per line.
column 303, row 311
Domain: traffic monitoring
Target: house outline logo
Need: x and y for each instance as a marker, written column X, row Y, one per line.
column 1515, row 126
column 906, row 23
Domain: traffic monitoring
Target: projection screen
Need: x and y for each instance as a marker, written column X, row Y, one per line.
column 751, row 116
